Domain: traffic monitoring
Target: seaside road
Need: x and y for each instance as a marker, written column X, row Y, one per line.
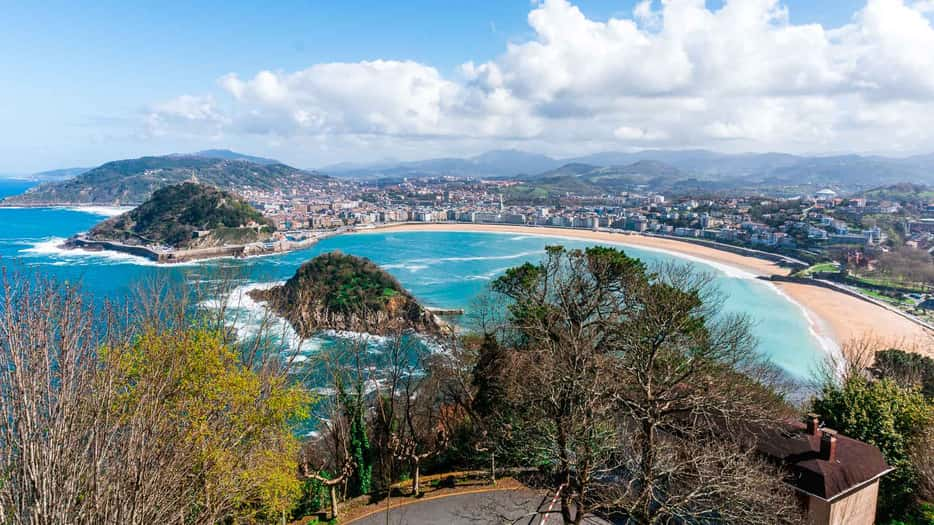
column 520, row 507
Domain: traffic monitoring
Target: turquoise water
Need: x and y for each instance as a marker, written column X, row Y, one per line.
column 441, row 269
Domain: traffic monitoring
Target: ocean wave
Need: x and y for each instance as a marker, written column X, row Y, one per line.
column 412, row 268
column 488, row 276
column 435, row 260
column 103, row 211
column 817, row 327
column 51, row 248
column 250, row 317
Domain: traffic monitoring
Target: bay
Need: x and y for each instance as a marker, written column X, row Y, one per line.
column 442, row 269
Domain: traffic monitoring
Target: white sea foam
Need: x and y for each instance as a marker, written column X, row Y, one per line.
column 407, row 266
column 248, row 317
column 435, row 260
column 488, row 276
column 816, row 326
column 51, row 248
column 104, row 211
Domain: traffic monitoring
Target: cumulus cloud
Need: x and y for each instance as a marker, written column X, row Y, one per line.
column 675, row 74
column 192, row 114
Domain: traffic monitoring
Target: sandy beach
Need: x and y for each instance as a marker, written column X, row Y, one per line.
column 834, row 315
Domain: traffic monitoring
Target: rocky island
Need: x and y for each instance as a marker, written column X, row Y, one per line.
column 184, row 222
column 343, row 292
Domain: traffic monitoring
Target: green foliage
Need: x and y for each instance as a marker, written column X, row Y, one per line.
column 346, row 283
column 238, row 422
column 132, row 181
column 889, row 416
column 907, row 369
column 174, row 214
column 906, row 193
column 314, row 497
column 345, row 292
column 922, row 515
column 360, row 450
column 490, row 391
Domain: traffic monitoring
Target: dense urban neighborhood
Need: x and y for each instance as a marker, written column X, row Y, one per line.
column 878, row 242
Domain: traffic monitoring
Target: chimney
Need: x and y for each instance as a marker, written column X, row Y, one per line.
column 828, row 445
column 813, row 424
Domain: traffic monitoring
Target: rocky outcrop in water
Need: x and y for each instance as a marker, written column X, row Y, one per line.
column 343, row 292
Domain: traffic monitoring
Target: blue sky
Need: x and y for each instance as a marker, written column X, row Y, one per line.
column 81, row 78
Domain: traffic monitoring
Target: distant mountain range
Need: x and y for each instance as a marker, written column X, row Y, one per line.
column 661, row 168
column 133, row 181
column 502, row 163
column 672, row 171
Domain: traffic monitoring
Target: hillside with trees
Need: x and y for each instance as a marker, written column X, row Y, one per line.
column 344, row 292
column 132, row 181
column 187, row 215
column 613, row 389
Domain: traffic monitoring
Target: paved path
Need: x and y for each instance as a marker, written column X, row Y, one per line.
column 519, row 507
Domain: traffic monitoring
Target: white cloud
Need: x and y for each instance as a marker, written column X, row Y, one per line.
column 638, row 134
column 190, row 114
column 676, row 74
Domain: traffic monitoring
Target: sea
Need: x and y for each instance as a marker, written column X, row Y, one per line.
column 441, row 269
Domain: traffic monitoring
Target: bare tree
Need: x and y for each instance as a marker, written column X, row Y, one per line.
column 116, row 416
column 637, row 389
column 421, row 433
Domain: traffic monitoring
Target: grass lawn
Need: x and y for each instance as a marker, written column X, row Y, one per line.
column 913, row 287
column 825, row 267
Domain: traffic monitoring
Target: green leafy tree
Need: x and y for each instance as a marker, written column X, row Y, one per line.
column 889, row 416
column 906, row 369
column 236, row 421
column 156, row 420
column 354, row 404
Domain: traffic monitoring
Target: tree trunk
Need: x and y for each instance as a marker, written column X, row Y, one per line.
column 493, row 468
column 565, row 464
column 648, row 469
column 332, row 489
column 416, row 471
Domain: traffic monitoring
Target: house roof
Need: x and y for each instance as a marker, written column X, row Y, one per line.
column 855, row 463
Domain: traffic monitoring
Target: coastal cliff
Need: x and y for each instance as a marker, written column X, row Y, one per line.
column 343, row 292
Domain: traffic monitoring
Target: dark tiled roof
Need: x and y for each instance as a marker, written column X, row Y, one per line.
column 855, row 462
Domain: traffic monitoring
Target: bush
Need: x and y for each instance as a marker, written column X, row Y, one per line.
column 889, row 416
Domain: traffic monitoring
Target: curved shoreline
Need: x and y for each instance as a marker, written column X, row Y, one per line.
column 832, row 316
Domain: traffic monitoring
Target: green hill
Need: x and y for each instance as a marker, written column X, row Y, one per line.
column 127, row 182
column 588, row 180
column 344, row 292
column 187, row 215
column 901, row 192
